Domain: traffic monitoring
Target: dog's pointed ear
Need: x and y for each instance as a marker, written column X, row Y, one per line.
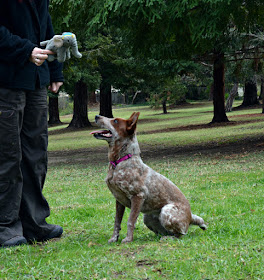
column 132, row 123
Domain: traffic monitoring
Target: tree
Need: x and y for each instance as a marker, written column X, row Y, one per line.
column 80, row 118
column 181, row 29
column 54, row 117
column 105, row 92
column 104, row 58
column 250, row 93
column 219, row 89
column 170, row 91
column 262, row 93
column 231, row 97
column 80, row 75
column 246, row 69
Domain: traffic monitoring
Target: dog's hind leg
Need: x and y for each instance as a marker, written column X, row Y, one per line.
column 136, row 204
column 175, row 219
column 153, row 223
column 198, row 221
column 120, row 210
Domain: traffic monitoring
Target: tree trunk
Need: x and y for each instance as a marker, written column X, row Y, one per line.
column 80, row 107
column 164, row 106
column 250, row 94
column 92, row 97
column 263, row 104
column 231, row 97
column 105, row 98
column 54, row 116
column 261, row 88
column 219, row 89
column 105, row 69
column 134, row 97
column 211, row 94
column 261, row 97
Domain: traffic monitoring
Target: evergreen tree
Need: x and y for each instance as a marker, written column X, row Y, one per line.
column 181, row 29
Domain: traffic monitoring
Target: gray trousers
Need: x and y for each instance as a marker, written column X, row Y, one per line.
column 23, row 164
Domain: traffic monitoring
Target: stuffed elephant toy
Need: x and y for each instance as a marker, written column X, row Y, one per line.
column 62, row 46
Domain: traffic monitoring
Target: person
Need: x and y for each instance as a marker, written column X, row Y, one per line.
column 24, row 75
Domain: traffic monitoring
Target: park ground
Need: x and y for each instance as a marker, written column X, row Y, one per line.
column 241, row 117
column 218, row 167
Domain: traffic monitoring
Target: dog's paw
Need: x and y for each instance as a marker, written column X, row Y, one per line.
column 127, row 240
column 113, row 239
column 203, row 227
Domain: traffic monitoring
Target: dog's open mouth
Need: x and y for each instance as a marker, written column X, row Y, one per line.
column 102, row 134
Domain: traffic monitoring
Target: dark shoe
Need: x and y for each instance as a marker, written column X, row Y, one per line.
column 15, row 241
column 55, row 233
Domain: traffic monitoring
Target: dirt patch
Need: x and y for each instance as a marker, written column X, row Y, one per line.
column 179, row 128
column 199, row 126
column 92, row 156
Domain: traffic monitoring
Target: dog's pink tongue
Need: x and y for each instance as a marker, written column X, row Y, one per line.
column 100, row 132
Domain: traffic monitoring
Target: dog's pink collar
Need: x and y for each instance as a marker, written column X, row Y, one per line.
column 115, row 163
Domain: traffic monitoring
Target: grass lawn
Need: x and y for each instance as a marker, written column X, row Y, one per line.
column 224, row 183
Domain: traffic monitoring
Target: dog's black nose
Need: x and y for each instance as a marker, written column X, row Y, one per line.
column 97, row 117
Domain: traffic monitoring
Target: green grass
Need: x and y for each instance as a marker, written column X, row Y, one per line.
column 227, row 190
column 151, row 120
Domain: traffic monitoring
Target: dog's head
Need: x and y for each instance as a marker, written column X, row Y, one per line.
column 115, row 128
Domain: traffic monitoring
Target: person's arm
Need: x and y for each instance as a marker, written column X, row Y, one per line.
column 14, row 49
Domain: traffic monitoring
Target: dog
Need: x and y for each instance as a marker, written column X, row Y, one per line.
column 136, row 186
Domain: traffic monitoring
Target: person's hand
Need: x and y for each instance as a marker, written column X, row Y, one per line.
column 38, row 56
column 55, row 86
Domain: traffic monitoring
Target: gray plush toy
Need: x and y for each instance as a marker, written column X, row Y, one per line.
column 62, row 46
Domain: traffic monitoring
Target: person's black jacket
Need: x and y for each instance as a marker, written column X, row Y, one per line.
column 22, row 28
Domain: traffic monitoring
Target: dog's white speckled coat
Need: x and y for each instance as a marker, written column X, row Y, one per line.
column 137, row 186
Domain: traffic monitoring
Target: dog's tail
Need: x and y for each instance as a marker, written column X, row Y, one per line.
column 198, row 221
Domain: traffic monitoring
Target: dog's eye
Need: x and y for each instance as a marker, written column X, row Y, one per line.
column 115, row 121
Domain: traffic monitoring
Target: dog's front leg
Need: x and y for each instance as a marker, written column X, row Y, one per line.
column 120, row 209
column 136, row 203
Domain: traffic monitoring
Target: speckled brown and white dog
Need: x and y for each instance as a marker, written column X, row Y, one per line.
column 135, row 185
